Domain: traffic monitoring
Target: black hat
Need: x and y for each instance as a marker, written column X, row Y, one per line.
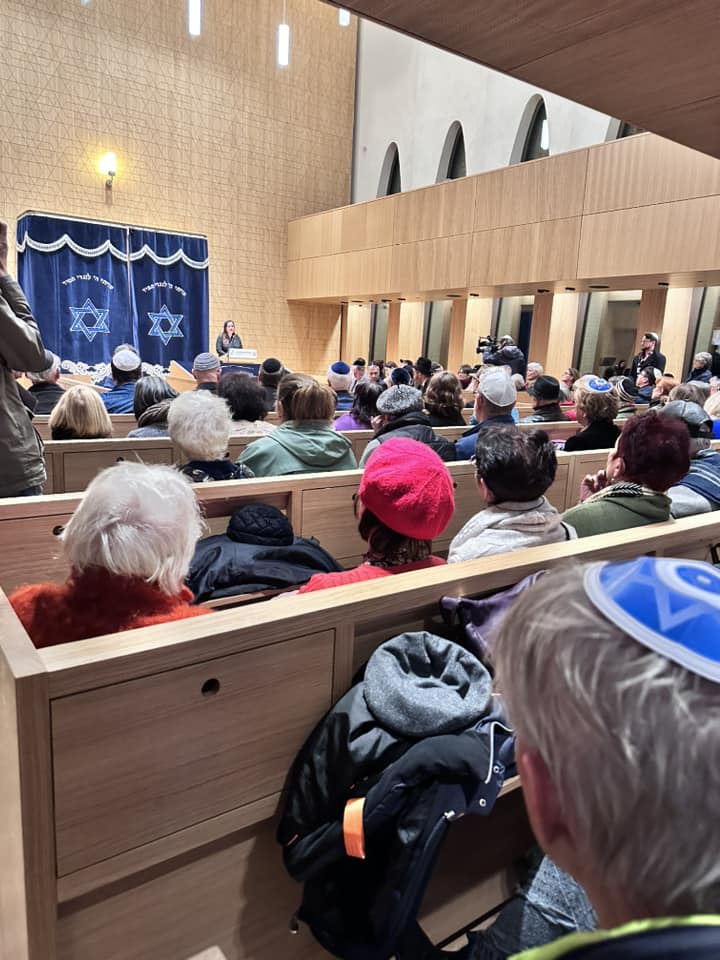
column 693, row 416
column 271, row 371
column 423, row 366
column 360, row 362
column 546, row 388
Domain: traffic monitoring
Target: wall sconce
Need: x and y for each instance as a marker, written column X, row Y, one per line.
column 108, row 167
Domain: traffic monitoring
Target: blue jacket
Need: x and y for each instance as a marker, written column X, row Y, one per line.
column 120, row 398
column 465, row 446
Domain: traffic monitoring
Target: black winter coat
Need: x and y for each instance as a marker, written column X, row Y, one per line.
column 419, row 741
column 510, row 356
column 416, row 426
column 258, row 552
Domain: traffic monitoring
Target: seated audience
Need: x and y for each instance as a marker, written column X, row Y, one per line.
column 406, row 499
column 45, row 387
column 80, row 415
column 626, row 392
column 661, row 390
column 340, row 380
column 596, row 407
column 519, row 380
column 444, row 401
column 375, row 371
column 199, row 423
column 696, row 392
column 269, row 376
column 246, row 399
column 364, row 407
column 534, row 370
column 258, row 552
column 153, row 396
column 651, row 454
column 701, row 369
column 639, row 697
column 464, row 376
column 567, row 383
column 422, row 371
column 125, row 368
column 129, row 545
column 645, row 384
column 495, row 398
column 400, row 414
column 206, row 370
column 699, row 490
column 358, row 373
column 305, row 441
column 514, row 469
column 712, row 407
column 546, row 402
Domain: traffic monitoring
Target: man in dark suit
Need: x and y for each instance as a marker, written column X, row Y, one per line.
column 649, row 355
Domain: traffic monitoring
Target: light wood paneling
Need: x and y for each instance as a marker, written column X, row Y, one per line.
column 550, row 189
column 478, row 321
column 392, row 349
column 427, row 265
column 643, row 170
column 179, row 755
column 355, row 341
column 367, row 225
column 660, row 239
column 432, row 212
column 676, row 321
column 410, row 334
column 563, row 323
column 652, row 313
column 534, row 252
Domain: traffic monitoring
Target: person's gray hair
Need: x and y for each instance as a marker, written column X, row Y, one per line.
column 136, row 520
column 48, row 375
column 199, row 423
column 534, row 365
column 705, row 357
column 519, row 380
column 631, row 742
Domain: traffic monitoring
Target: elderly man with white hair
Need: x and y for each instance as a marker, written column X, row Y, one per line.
column 45, row 387
column 200, row 424
column 129, row 545
column 534, row 370
column 615, row 700
column 701, row 370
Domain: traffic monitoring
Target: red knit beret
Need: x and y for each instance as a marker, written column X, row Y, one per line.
column 408, row 488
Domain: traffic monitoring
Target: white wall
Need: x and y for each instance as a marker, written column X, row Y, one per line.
column 410, row 93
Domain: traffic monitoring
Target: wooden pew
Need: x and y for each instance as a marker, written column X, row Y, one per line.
column 318, row 505
column 142, row 771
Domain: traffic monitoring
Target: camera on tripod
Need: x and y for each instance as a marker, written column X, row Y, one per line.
column 485, row 343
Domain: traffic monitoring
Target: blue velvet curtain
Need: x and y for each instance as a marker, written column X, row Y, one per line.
column 92, row 286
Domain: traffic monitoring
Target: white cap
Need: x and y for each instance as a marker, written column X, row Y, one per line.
column 126, row 360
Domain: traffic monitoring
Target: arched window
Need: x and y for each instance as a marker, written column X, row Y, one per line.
column 618, row 129
column 533, row 137
column 452, row 159
column 390, row 181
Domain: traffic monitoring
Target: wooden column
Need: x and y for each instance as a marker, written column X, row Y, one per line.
column 456, row 343
column 470, row 319
column 676, row 323
column 552, row 338
column 355, row 337
column 652, row 314
column 410, row 334
column 393, row 332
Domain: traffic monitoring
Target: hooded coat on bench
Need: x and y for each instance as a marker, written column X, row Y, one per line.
column 413, row 746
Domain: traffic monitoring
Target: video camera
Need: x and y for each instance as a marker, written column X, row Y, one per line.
column 485, row 343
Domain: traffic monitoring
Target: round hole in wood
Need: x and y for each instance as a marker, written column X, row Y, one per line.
column 210, row 687
column 58, row 530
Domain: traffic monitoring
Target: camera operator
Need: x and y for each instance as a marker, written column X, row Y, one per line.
column 22, row 467
column 502, row 353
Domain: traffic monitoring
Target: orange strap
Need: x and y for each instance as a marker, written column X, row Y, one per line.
column 353, row 828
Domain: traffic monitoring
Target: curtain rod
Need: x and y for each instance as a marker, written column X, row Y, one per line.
column 108, row 223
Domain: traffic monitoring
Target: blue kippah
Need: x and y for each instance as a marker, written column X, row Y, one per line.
column 670, row 606
column 340, row 367
column 598, row 385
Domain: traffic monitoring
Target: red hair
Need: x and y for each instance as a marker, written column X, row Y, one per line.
column 655, row 450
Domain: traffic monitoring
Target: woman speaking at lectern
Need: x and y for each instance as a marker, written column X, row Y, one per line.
column 227, row 339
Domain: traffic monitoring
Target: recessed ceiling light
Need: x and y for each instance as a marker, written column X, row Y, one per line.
column 599, row 286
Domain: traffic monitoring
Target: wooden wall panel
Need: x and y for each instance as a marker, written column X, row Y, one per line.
column 440, row 264
column 410, row 334
column 678, row 309
column 533, row 252
column 548, row 189
column 563, row 323
column 440, row 211
column 643, row 170
column 356, row 334
column 315, row 236
column 367, row 225
column 664, row 238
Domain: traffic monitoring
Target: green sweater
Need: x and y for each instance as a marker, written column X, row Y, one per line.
column 618, row 507
column 299, row 447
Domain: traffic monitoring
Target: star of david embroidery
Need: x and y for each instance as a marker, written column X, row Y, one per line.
column 174, row 319
column 88, row 309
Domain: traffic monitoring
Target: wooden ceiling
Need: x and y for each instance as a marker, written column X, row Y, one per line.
column 654, row 63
